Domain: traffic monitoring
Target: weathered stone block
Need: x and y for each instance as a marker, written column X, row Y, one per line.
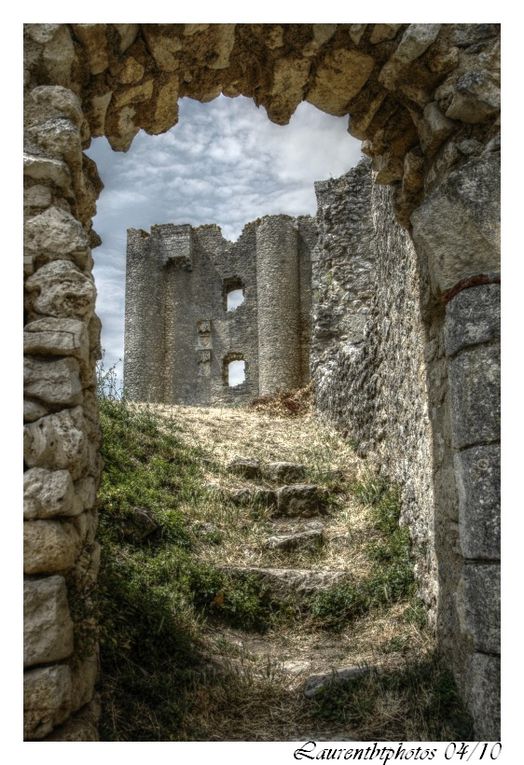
column 286, row 472
column 474, row 383
column 415, row 41
column 472, row 317
column 311, row 539
column 57, row 337
column 57, row 441
column 85, row 490
column 93, row 38
column 434, row 128
column 47, row 699
column 289, row 80
column 247, row 468
column 56, row 235
column 38, row 196
column 47, row 101
column 59, row 56
column 339, row 77
column 44, row 169
column 127, row 34
column 48, row 493
column 60, row 289
column 48, row 629
column 383, row 32
column 49, row 546
column 53, row 382
column 301, row 499
column 476, row 98
column 33, row 410
column 478, row 605
column 483, row 695
column 457, row 226
column 477, row 472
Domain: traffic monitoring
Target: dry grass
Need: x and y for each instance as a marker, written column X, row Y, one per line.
column 248, row 686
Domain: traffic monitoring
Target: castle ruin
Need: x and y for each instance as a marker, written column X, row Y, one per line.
column 409, row 364
column 183, row 330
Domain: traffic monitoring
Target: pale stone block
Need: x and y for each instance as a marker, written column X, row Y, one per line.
column 38, row 196
column 54, row 382
column 49, row 546
column 56, row 235
column 44, row 169
column 57, row 337
column 48, row 628
column 33, row 410
column 57, row 442
column 47, row 699
column 48, row 493
column 60, row 289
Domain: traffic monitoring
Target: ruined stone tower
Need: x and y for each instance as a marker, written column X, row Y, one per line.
column 182, row 329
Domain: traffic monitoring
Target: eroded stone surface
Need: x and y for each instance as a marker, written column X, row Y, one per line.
column 472, row 317
column 48, row 629
column 49, row 546
column 58, row 441
column 48, row 493
column 474, row 378
column 301, row 499
column 47, row 699
column 478, row 600
column 478, row 485
column 53, row 382
column 60, row 289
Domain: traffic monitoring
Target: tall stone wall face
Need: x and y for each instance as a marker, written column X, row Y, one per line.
column 180, row 335
column 405, row 359
column 425, row 99
column 368, row 347
column 61, row 433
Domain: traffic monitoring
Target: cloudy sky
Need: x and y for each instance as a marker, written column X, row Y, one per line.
column 224, row 163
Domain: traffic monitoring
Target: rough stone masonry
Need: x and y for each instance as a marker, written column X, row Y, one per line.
column 425, row 99
column 178, row 280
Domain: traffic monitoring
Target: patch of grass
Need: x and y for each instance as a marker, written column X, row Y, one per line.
column 391, row 578
column 417, row 702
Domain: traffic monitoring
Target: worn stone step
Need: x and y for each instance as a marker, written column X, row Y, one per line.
column 316, row 684
column 284, row 472
column 310, row 539
column 298, row 500
column 256, row 496
column 246, row 467
column 290, row 581
column 302, row 499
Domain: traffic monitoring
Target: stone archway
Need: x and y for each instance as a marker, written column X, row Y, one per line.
column 425, row 100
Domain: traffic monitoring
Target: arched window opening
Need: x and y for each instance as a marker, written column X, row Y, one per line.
column 234, row 370
column 233, row 293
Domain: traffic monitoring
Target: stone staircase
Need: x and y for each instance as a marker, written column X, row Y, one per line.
column 299, row 514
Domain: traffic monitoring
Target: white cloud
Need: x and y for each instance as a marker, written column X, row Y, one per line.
column 224, row 163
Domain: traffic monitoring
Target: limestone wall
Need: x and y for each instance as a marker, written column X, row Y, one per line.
column 368, row 347
column 413, row 382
